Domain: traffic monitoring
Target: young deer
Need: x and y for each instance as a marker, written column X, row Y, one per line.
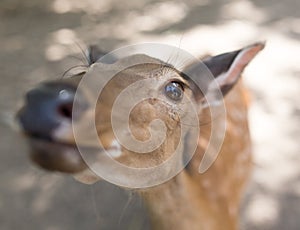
column 189, row 200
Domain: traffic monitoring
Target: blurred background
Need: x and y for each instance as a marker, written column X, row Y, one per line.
column 41, row 39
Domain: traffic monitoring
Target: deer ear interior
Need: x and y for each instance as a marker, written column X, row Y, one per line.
column 224, row 72
column 227, row 68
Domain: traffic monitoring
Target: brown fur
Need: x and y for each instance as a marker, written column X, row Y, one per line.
column 210, row 200
column 190, row 200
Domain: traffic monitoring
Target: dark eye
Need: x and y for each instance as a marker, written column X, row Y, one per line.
column 174, row 91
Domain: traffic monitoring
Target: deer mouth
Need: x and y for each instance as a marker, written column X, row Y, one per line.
column 48, row 109
column 54, row 155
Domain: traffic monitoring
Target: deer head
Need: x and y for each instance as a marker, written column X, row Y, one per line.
column 55, row 130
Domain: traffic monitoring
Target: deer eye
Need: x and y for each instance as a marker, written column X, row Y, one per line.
column 174, row 91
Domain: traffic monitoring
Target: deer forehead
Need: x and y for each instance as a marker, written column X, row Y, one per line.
column 145, row 79
column 131, row 69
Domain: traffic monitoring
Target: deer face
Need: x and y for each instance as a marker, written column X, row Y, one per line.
column 48, row 117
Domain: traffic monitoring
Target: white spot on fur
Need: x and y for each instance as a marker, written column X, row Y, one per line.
column 63, row 132
column 115, row 149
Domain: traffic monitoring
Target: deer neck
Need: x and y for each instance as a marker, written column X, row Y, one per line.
column 210, row 200
column 184, row 204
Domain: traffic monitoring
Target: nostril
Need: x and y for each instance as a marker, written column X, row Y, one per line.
column 50, row 105
column 65, row 110
column 67, row 106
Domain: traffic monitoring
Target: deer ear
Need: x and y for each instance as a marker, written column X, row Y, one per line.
column 93, row 54
column 226, row 69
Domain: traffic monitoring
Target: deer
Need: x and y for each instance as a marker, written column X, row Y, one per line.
column 191, row 200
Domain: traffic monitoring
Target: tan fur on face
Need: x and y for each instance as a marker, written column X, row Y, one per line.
column 142, row 114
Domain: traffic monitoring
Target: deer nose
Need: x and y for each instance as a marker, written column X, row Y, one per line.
column 48, row 106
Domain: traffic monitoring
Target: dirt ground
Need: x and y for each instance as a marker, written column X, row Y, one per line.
column 40, row 40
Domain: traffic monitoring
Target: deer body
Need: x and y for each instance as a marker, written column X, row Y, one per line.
column 210, row 200
column 189, row 200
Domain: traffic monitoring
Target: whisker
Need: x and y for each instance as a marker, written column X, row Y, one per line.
column 78, row 59
column 72, row 68
column 85, row 59
column 93, row 200
column 130, row 199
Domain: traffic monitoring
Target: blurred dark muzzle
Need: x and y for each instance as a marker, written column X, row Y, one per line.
column 48, row 106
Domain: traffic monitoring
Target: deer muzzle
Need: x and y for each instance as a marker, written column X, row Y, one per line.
column 46, row 120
